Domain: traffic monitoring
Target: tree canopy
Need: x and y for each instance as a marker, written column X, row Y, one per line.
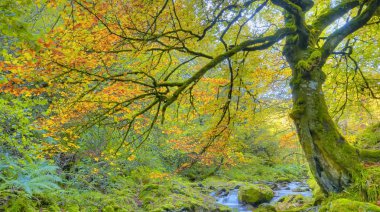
column 134, row 64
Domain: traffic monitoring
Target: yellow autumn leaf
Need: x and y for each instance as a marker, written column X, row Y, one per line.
column 131, row 158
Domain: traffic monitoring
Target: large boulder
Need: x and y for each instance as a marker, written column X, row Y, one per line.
column 255, row 194
column 343, row 205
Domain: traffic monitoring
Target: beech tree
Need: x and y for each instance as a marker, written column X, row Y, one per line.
column 135, row 60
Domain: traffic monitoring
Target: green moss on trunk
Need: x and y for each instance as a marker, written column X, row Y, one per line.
column 334, row 163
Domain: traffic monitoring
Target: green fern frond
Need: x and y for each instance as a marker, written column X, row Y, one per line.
column 30, row 177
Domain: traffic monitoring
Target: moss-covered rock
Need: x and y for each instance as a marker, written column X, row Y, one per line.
column 283, row 180
column 347, row 205
column 176, row 194
column 222, row 208
column 255, row 194
column 218, row 184
column 293, row 203
column 300, row 189
column 293, row 198
column 198, row 172
column 368, row 142
column 265, row 207
column 369, row 138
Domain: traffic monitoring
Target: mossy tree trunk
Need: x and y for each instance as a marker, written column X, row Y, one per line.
column 334, row 163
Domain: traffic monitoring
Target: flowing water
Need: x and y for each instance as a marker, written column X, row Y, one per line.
column 282, row 189
column 290, row 188
column 231, row 200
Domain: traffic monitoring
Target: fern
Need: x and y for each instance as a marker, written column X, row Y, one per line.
column 31, row 177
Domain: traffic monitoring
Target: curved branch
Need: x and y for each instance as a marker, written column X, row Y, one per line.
column 332, row 15
column 265, row 42
column 214, row 21
column 356, row 23
column 298, row 14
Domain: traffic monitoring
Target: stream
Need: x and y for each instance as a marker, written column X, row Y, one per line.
column 280, row 190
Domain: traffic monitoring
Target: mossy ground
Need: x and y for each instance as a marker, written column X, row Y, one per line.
column 137, row 191
column 348, row 205
column 369, row 138
column 364, row 193
column 169, row 194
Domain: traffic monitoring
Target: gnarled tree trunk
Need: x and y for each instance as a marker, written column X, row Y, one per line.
column 332, row 160
column 334, row 163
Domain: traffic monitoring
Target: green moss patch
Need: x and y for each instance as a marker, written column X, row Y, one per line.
column 370, row 137
column 293, row 203
column 255, row 194
column 347, row 205
column 175, row 194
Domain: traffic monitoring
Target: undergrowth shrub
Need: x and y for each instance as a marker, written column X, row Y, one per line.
column 26, row 184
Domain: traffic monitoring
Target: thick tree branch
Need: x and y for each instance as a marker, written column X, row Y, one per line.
column 332, row 15
column 356, row 23
column 298, row 13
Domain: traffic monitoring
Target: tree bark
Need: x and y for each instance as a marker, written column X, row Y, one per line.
column 334, row 163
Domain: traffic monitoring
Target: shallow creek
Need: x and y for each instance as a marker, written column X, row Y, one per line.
column 280, row 190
